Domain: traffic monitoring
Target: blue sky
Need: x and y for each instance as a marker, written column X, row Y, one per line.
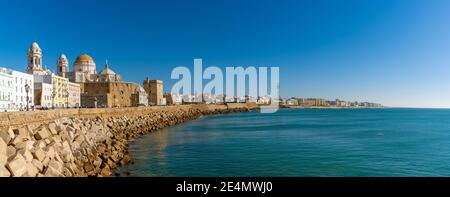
column 396, row 52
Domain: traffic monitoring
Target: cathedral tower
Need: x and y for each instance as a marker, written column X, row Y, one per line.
column 62, row 66
column 34, row 58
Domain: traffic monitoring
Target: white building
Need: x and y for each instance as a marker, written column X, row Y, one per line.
column 21, row 95
column 141, row 97
column 6, row 89
column 74, row 98
column 43, row 95
column 16, row 90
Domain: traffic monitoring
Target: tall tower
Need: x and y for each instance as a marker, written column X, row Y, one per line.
column 154, row 89
column 62, row 66
column 34, row 58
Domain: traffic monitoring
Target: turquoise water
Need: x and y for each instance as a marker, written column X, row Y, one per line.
column 308, row 142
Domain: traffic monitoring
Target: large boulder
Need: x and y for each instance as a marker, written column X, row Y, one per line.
column 17, row 166
column 32, row 171
column 5, row 136
column 4, row 172
column 43, row 133
column 3, row 152
column 39, row 154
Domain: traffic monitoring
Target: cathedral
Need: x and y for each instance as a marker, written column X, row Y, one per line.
column 102, row 89
column 85, row 70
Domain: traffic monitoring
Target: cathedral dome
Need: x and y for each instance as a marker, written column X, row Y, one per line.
column 35, row 45
column 84, row 58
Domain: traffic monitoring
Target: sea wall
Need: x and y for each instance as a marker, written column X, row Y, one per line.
column 84, row 142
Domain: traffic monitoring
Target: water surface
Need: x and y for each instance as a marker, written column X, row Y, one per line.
column 300, row 142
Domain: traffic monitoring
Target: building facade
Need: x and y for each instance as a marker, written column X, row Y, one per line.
column 62, row 66
column 23, row 90
column 74, row 98
column 60, row 90
column 6, row 89
column 84, row 69
column 16, row 90
column 154, row 89
column 110, row 94
column 141, row 98
column 43, row 95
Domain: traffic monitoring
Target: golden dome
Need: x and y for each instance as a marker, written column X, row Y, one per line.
column 84, row 58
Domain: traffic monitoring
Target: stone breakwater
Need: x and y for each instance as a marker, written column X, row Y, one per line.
column 84, row 142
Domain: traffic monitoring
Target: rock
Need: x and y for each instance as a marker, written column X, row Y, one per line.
column 111, row 163
column 126, row 159
column 5, row 137
column 24, row 145
column 38, row 165
column 10, row 132
column 106, row 171
column 51, row 172
column 4, row 172
column 97, row 162
column 39, row 154
column 46, row 161
column 32, row 171
column 17, row 166
column 57, row 139
column 52, row 128
column 57, row 165
column 40, row 144
column 88, row 167
column 26, row 154
column 66, row 172
column 21, row 133
column 79, row 139
column 43, row 133
column 11, row 152
column 3, row 152
column 50, row 152
column 70, row 128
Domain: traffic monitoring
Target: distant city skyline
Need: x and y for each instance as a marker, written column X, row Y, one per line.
column 393, row 52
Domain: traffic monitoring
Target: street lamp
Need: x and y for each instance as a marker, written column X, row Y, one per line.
column 67, row 98
column 27, row 89
column 53, row 98
column 95, row 102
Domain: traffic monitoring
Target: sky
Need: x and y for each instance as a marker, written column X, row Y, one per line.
column 394, row 52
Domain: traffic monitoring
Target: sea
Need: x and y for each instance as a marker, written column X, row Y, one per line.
column 392, row 142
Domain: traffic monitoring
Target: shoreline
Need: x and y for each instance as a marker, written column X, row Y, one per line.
column 86, row 142
column 328, row 107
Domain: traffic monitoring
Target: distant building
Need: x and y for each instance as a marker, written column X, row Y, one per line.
column 154, row 89
column 292, row 101
column 312, row 102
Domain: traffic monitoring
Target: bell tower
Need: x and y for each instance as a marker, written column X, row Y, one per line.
column 34, row 58
column 62, row 66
